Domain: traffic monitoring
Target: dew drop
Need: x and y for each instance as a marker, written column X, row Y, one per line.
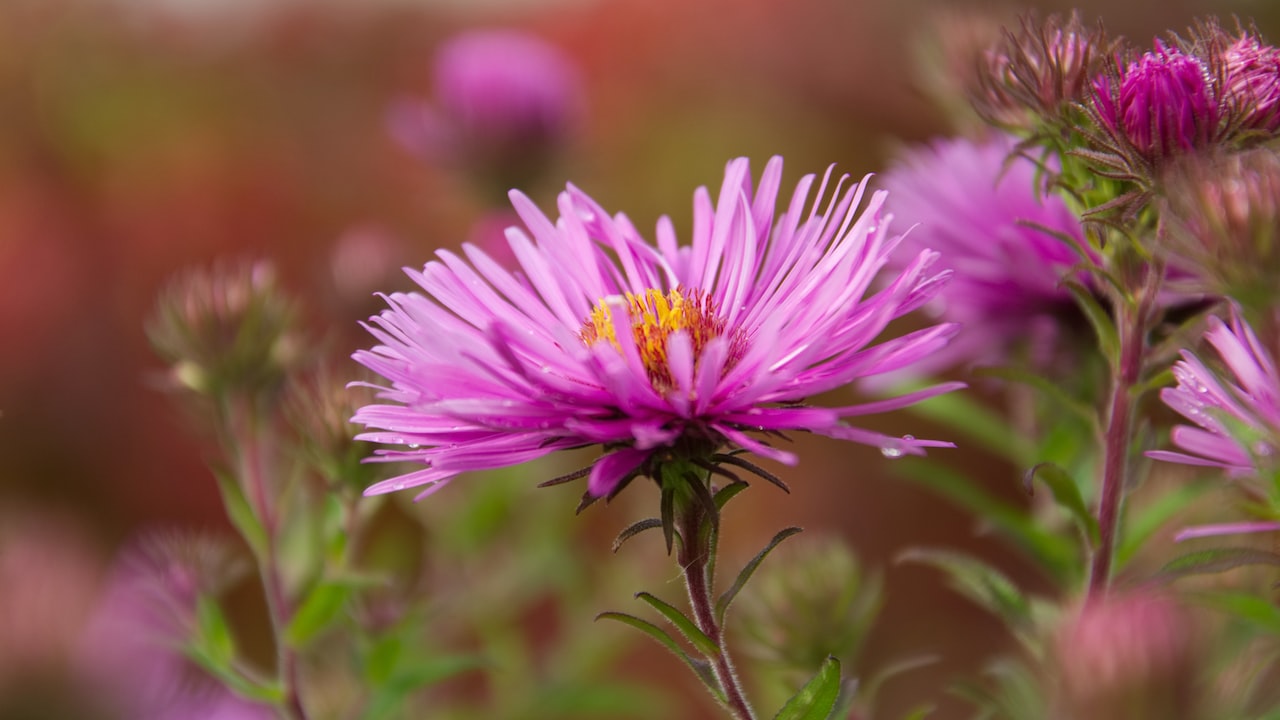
column 414, row 446
column 893, row 451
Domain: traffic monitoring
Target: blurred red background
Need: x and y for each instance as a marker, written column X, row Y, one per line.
column 141, row 138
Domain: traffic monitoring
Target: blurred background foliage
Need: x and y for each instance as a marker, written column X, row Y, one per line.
column 142, row 137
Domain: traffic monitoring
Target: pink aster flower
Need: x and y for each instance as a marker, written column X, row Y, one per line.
column 663, row 354
column 980, row 210
column 1159, row 105
column 1237, row 418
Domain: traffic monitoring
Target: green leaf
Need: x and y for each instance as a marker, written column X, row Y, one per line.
column 1216, row 560
column 1140, row 525
column 1251, row 608
column 387, row 700
column 701, row 668
column 978, row 581
column 213, row 634
column 722, row 604
column 322, row 605
column 705, row 645
column 869, row 689
column 1049, row 388
column 1067, row 494
column 817, row 698
column 1103, row 327
column 958, row 411
column 1054, row 553
column 241, row 514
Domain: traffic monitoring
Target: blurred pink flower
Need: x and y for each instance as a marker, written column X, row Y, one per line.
column 504, row 102
column 979, row 208
column 659, row 354
column 132, row 648
column 1236, row 414
column 1252, row 70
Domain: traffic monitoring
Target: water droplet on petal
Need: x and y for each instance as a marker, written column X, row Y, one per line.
column 891, row 450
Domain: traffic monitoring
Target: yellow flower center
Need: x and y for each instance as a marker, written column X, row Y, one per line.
column 654, row 316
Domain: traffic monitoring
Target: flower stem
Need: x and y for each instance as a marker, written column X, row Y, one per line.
column 248, row 448
column 695, row 557
column 1132, row 319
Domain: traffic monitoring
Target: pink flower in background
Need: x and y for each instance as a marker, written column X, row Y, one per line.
column 1236, row 414
column 663, row 353
column 132, row 650
column 979, row 208
column 504, row 102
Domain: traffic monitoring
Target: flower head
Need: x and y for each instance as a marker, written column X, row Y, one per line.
column 663, row 355
column 1252, row 77
column 1237, row 413
column 504, row 102
column 1222, row 212
column 979, row 208
column 1034, row 74
column 1159, row 105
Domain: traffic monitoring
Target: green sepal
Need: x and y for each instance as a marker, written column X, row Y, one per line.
column 729, row 492
column 704, row 644
column 701, row 668
column 1067, row 495
column 1215, row 560
column 817, row 699
column 633, row 530
column 322, row 605
column 726, row 598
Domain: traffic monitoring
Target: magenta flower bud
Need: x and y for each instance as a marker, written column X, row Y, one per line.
column 1160, row 105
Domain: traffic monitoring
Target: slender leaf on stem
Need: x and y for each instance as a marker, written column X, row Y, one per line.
column 1067, row 494
column 1099, row 319
column 1054, row 553
column 322, row 605
column 959, row 411
column 978, row 581
column 1259, row 611
column 241, row 514
column 1047, row 387
column 667, row 508
column 700, row 667
column 705, row 645
column 722, row 604
column 1215, row 560
column 635, row 529
column 1142, row 524
column 872, row 686
column 817, row 699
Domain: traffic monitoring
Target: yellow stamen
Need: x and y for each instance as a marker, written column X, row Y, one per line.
column 654, row 316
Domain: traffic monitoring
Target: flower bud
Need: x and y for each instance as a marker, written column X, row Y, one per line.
column 1127, row 656
column 226, row 330
column 1222, row 213
column 1033, row 75
column 320, row 407
column 809, row 600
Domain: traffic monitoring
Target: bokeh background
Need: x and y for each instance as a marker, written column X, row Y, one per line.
column 139, row 138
